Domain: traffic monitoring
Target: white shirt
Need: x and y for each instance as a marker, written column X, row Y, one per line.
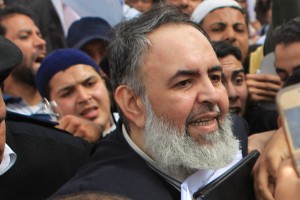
column 9, row 158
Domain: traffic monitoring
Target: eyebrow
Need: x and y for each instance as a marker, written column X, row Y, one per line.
column 25, row 30
column 236, row 72
column 91, row 77
column 179, row 73
column 216, row 68
column 194, row 73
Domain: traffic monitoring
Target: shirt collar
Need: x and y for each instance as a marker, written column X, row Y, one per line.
column 9, row 158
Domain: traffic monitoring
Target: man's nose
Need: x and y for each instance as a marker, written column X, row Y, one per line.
column 207, row 92
column 232, row 93
column 229, row 35
column 39, row 42
column 83, row 95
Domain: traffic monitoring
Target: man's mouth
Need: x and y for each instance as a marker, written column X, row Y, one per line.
column 90, row 113
column 202, row 122
column 40, row 58
column 207, row 122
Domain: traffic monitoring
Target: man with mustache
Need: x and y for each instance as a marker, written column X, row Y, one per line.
column 174, row 112
column 23, row 97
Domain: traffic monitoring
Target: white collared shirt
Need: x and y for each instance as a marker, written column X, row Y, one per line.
column 9, row 158
column 203, row 177
column 192, row 183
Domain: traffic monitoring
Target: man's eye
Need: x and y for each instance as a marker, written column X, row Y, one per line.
column 239, row 28
column 215, row 78
column 217, row 29
column 23, row 37
column 238, row 81
column 90, row 84
column 65, row 94
column 184, row 83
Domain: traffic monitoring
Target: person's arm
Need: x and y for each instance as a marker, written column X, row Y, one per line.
column 265, row 169
column 287, row 182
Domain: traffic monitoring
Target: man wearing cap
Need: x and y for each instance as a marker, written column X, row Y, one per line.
column 45, row 157
column 224, row 20
column 72, row 79
column 91, row 35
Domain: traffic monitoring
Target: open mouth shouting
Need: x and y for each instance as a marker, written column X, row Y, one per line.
column 38, row 60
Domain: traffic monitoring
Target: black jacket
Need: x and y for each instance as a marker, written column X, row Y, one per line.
column 46, row 158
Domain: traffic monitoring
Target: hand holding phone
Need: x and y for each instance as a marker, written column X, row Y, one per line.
column 288, row 103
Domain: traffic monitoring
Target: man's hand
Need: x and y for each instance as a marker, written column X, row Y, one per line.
column 80, row 127
column 266, row 167
column 287, row 182
column 258, row 141
column 262, row 87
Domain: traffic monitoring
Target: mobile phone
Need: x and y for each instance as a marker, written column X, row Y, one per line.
column 288, row 104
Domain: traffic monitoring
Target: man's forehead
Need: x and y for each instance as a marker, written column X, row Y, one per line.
column 174, row 34
column 225, row 14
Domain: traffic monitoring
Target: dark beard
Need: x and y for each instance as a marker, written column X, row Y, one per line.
column 24, row 75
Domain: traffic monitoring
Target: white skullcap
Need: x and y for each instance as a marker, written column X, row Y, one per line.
column 207, row 6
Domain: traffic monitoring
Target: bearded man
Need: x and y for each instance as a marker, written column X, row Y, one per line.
column 174, row 112
column 22, row 96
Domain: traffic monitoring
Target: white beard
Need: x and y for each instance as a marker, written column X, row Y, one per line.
column 180, row 155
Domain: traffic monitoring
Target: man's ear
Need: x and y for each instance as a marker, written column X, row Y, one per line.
column 131, row 105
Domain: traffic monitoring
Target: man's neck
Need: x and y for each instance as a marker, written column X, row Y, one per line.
column 136, row 135
column 27, row 92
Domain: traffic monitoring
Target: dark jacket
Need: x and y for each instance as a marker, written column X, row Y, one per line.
column 46, row 158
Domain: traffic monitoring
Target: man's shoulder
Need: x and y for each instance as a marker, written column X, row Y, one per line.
column 46, row 158
column 23, row 126
column 115, row 168
column 16, row 117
